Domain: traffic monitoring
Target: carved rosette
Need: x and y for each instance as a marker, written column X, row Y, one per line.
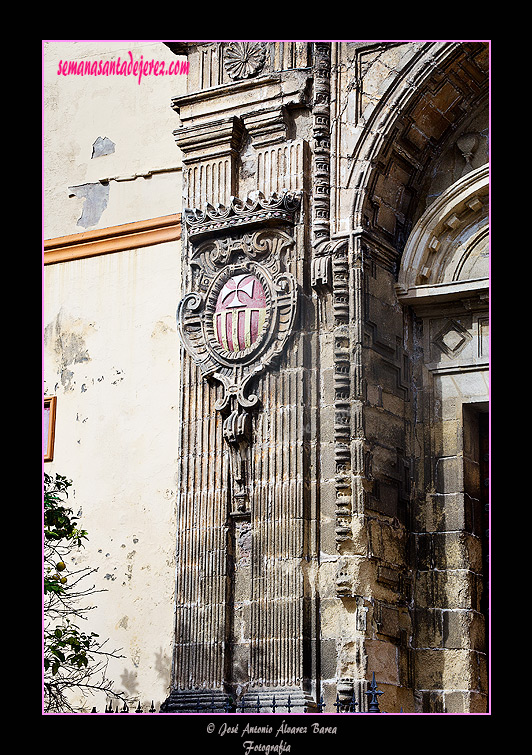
column 234, row 324
column 243, row 60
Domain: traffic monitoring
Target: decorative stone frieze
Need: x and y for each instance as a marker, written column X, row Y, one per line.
column 321, row 143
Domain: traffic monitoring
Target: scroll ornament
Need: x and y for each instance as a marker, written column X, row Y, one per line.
column 234, row 323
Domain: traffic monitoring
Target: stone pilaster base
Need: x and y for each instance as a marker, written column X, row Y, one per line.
column 196, row 701
column 278, row 700
column 286, row 701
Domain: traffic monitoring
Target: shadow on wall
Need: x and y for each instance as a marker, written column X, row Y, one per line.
column 129, row 678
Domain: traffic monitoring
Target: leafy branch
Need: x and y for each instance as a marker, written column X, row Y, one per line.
column 74, row 660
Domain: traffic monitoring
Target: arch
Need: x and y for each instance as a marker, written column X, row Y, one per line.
column 447, row 251
column 422, row 110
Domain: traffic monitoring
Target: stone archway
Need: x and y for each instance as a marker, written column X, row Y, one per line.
column 415, row 196
column 424, row 109
column 447, row 250
column 443, row 284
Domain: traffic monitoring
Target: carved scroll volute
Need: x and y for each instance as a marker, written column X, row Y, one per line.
column 234, row 324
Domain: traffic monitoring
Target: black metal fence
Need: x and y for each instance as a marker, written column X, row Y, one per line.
column 243, row 706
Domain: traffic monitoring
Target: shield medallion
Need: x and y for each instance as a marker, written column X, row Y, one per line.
column 240, row 312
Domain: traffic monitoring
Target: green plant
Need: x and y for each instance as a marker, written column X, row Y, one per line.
column 74, row 660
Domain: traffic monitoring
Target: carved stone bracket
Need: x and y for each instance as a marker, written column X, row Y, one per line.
column 235, row 321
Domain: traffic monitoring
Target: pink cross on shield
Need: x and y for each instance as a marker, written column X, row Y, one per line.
column 240, row 312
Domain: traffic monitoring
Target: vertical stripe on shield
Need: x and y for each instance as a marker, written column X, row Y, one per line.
column 234, row 330
column 238, row 329
column 247, row 327
column 260, row 324
column 221, row 329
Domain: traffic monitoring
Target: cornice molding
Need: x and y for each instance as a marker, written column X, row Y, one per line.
column 256, row 208
column 113, row 239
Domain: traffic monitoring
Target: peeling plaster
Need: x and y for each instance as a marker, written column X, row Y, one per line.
column 68, row 346
column 102, row 146
column 96, row 196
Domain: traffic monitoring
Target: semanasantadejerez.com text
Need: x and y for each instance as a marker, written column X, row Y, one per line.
column 119, row 67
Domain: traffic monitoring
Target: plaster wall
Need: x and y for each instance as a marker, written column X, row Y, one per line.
column 141, row 173
column 110, row 347
column 111, row 357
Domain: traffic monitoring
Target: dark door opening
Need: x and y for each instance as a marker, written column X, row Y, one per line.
column 484, row 450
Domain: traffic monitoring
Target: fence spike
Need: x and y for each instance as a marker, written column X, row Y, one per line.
column 373, row 696
column 234, row 706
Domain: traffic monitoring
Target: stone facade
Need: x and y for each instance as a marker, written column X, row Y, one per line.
column 331, row 513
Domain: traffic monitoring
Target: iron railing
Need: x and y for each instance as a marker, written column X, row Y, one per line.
column 230, row 706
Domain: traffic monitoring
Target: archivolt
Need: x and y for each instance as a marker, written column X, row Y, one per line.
column 448, row 244
column 423, row 107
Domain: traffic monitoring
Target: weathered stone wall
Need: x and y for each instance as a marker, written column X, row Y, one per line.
column 387, row 128
column 448, row 532
column 377, row 137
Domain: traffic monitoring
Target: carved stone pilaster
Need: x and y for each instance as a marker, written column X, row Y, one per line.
column 321, row 143
column 330, row 273
column 210, row 160
column 235, row 323
column 239, row 314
